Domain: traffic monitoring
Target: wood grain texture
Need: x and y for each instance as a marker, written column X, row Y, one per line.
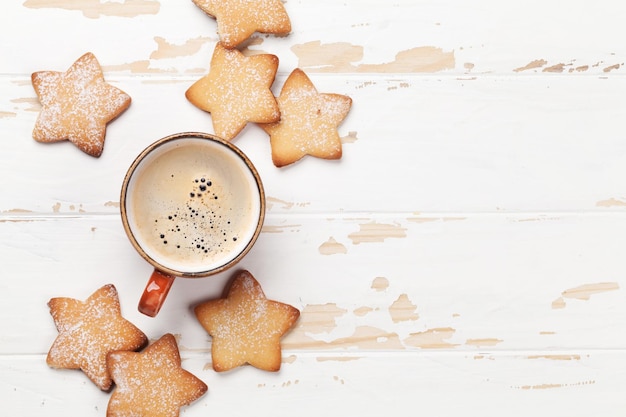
column 464, row 256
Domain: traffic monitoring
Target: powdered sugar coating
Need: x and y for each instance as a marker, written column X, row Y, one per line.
column 245, row 326
column 88, row 330
column 237, row 20
column 151, row 383
column 308, row 123
column 77, row 105
column 237, row 90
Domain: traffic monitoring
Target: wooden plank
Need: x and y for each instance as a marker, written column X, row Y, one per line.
column 500, row 282
column 427, row 144
column 429, row 383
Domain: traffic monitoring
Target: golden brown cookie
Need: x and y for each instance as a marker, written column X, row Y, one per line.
column 236, row 91
column 308, row 122
column 88, row 330
column 245, row 326
column 237, row 20
column 151, row 383
column 77, row 105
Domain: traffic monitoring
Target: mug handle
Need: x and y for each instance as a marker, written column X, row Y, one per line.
column 155, row 292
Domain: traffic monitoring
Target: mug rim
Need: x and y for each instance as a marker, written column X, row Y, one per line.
column 124, row 212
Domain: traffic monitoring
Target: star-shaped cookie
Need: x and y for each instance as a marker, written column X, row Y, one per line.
column 245, row 326
column 151, row 383
column 77, row 105
column 88, row 330
column 237, row 20
column 236, row 91
column 308, row 122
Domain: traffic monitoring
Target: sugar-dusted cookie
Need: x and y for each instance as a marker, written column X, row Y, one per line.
column 88, row 330
column 245, row 326
column 308, row 123
column 237, row 90
column 77, row 105
column 237, row 20
column 151, row 383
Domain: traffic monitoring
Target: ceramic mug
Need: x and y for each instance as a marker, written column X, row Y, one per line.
column 192, row 205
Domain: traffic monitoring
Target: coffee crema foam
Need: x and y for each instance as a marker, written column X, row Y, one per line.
column 195, row 206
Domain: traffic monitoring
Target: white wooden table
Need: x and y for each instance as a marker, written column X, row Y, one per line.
column 466, row 256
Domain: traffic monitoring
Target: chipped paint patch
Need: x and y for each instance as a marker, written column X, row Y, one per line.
column 340, row 380
column 17, row 211
column 552, row 386
column 362, row 311
column 279, row 229
column 416, row 60
column 340, row 57
column 289, row 383
column 319, row 318
column 289, row 359
column 18, row 220
column 366, row 84
column 367, row 337
column 166, row 50
column 559, row 303
column 581, row 68
column 332, row 247
column 32, row 102
column 431, row 339
column 541, row 386
column 556, row 357
column 272, row 201
column 93, row 9
column 479, row 357
column 7, row 114
column 483, row 342
column 611, row 68
column 422, row 219
column 538, row 63
column 611, row 202
column 558, row 68
column 380, row 284
column 403, row 310
column 374, row 232
column 584, row 293
column 331, row 57
column 364, row 337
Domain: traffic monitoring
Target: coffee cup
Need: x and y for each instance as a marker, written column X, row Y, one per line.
column 192, row 205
